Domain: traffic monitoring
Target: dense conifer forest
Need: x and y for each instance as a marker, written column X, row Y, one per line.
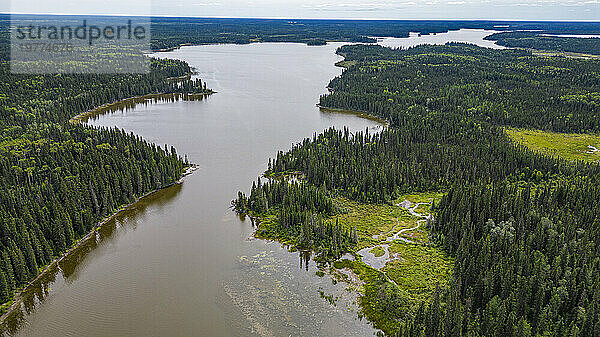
column 522, row 227
column 57, row 179
column 540, row 41
column 171, row 32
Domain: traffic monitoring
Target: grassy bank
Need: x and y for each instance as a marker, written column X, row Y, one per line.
column 569, row 146
column 411, row 276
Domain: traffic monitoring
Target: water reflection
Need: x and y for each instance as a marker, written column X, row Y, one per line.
column 473, row 36
column 131, row 103
column 305, row 257
column 190, row 269
column 67, row 269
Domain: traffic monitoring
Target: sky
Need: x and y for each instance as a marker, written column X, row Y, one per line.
column 588, row 10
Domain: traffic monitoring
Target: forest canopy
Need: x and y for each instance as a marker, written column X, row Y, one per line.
column 57, row 179
column 521, row 226
column 541, row 41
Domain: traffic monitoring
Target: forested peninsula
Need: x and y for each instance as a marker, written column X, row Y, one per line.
column 546, row 42
column 58, row 179
column 517, row 227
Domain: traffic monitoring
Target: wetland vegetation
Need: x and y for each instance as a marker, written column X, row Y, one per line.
column 570, row 146
column 514, row 231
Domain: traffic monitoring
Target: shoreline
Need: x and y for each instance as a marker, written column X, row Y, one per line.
column 18, row 298
column 51, row 268
column 374, row 38
column 84, row 116
column 362, row 114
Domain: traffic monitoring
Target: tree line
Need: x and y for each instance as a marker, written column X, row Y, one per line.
column 300, row 209
column 506, row 87
column 539, row 41
column 521, row 226
column 57, row 179
column 172, row 32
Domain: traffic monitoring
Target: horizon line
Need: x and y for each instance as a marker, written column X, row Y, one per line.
column 295, row 18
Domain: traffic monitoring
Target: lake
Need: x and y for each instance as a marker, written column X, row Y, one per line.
column 180, row 262
column 474, row 36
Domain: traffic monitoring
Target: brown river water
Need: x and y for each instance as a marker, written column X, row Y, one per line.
column 180, row 262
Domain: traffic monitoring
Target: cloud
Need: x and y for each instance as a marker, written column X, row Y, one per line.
column 546, row 3
column 359, row 6
column 207, row 4
column 528, row 4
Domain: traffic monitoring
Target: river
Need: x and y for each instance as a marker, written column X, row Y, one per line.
column 181, row 263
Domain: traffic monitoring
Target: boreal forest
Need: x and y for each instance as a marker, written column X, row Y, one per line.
column 548, row 42
column 520, row 226
column 59, row 179
column 170, row 33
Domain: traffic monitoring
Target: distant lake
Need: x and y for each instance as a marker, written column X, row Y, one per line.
column 473, row 36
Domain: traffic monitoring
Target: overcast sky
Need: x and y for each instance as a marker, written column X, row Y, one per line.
column 357, row 9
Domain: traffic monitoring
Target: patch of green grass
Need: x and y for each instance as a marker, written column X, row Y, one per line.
column 368, row 301
column 4, row 307
column 378, row 251
column 569, row 146
column 345, row 64
column 418, row 269
column 371, row 220
column 423, row 209
column 285, row 175
column 267, row 230
column 421, row 197
column 545, row 53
